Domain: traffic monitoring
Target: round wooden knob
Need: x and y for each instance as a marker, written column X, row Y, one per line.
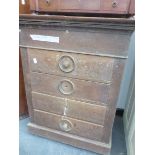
column 114, row 4
column 66, row 87
column 66, row 64
column 65, row 125
column 48, row 2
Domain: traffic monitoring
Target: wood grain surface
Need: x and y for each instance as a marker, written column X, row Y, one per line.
column 103, row 43
column 82, row 6
column 79, row 128
column 70, row 139
column 24, row 8
column 49, row 84
column 23, row 109
column 71, row 108
column 93, row 68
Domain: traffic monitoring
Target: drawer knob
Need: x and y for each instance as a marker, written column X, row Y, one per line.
column 65, row 125
column 114, row 4
column 48, row 2
column 66, row 64
column 66, row 87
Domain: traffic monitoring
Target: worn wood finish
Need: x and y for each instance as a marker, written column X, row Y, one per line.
column 70, row 139
column 79, row 128
column 86, row 67
column 68, row 102
column 71, row 108
column 82, row 6
column 27, row 77
column 24, row 8
column 93, row 23
column 23, row 110
column 79, row 5
column 33, row 5
column 49, row 84
column 132, row 7
column 117, row 6
column 114, row 93
column 48, row 5
column 103, row 43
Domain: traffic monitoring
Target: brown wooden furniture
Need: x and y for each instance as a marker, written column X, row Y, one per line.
column 83, row 6
column 73, row 68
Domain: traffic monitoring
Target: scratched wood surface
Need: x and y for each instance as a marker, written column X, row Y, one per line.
column 86, row 120
column 79, row 128
column 93, row 68
column 75, row 109
column 100, row 42
column 49, row 84
column 23, row 109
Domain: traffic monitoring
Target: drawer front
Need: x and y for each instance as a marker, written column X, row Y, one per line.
column 79, row 5
column 71, row 108
column 69, row 125
column 98, row 6
column 94, row 68
column 114, row 6
column 70, row 88
column 47, row 5
column 71, row 5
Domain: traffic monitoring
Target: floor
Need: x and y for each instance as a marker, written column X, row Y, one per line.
column 34, row 145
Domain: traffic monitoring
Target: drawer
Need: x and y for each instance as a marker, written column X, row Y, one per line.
column 116, row 6
column 70, row 88
column 69, row 125
column 71, row 108
column 47, row 5
column 81, row 66
column 90, row 6
column 79, row 5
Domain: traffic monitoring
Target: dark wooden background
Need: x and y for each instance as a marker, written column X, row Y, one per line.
column 23, row 110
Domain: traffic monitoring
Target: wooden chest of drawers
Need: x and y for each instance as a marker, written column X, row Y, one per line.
column 83, row 6
column 72, row 76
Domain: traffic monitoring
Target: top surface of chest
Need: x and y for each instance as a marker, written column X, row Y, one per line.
column 96, row 36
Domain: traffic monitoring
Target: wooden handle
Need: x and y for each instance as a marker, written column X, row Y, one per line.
column 66, row 64
column 65, row 125
column 114, row 4
column 66, row 87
